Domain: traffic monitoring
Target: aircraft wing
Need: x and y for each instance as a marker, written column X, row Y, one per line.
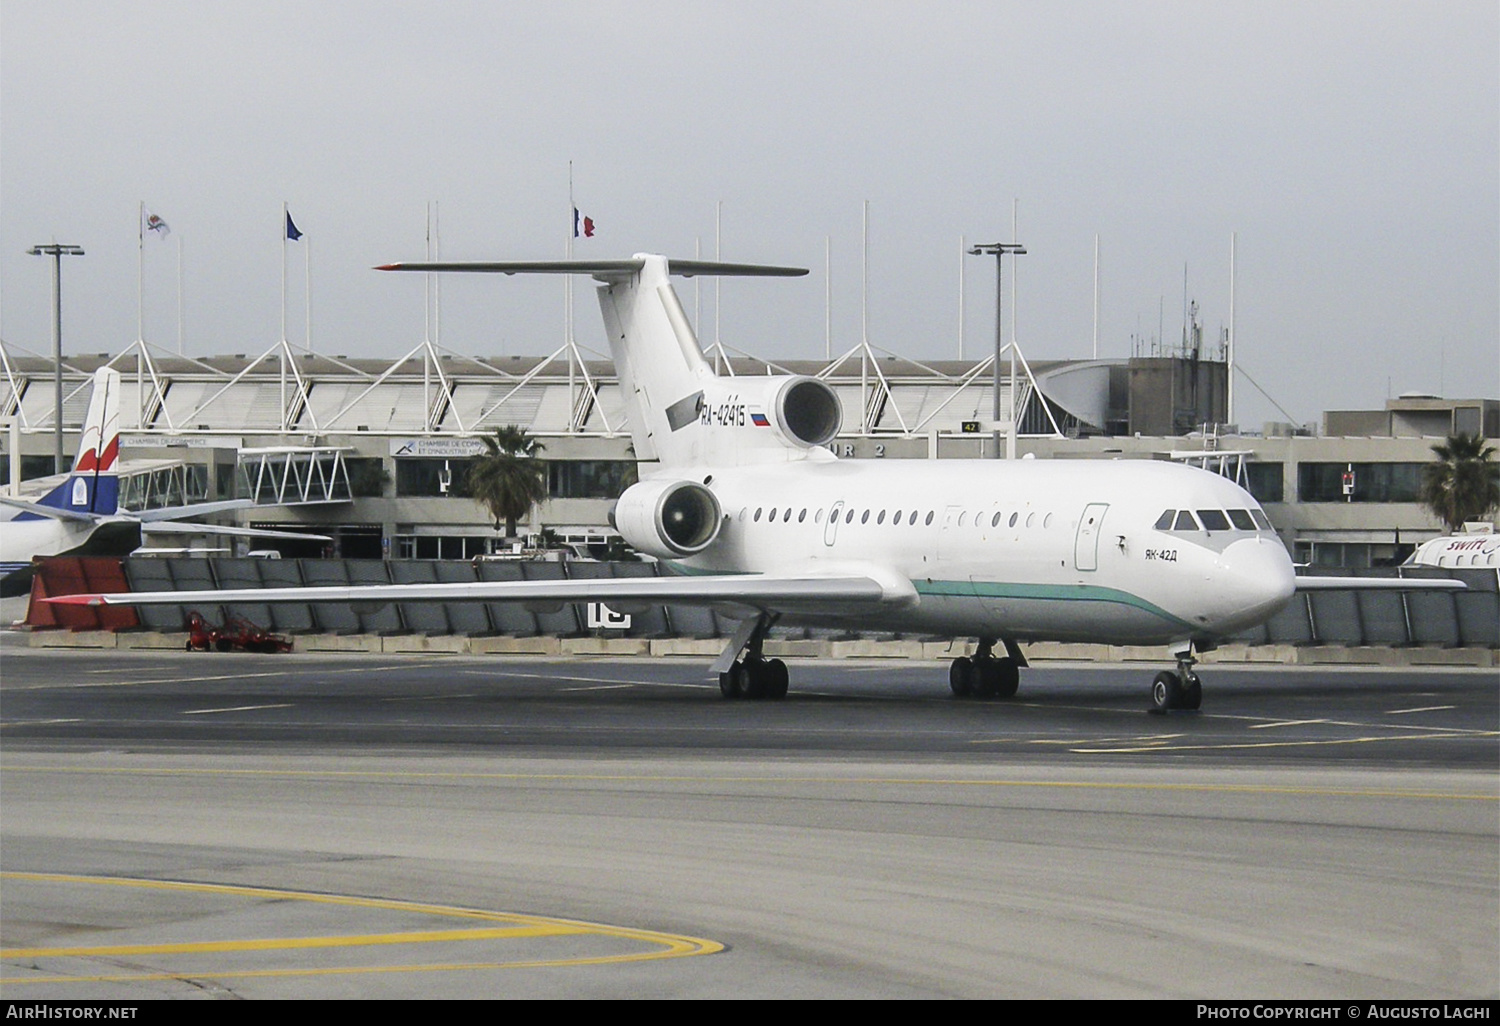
column 51, row 512
column 766, row 591
column 179, row 527
column 1378, row 584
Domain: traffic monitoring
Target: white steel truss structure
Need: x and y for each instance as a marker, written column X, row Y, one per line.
column 288, row 397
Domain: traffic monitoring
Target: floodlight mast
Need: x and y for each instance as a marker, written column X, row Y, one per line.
column 998, row 251
column 57, row 251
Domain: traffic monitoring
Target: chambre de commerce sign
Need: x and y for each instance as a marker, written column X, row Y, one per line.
column 442, row 448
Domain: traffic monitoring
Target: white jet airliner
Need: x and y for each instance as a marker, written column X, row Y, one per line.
column 741, row 496
column 81, row 516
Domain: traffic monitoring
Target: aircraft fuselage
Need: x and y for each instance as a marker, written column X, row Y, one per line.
column 1026, row 549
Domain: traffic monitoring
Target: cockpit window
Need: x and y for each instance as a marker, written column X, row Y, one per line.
column 1213, row 519
column 1241, row 519
column 1261, row 520
column 1185, row 522
column 1164, row 522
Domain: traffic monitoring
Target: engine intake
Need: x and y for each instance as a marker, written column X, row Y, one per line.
column 668, row 518
column 808, row 412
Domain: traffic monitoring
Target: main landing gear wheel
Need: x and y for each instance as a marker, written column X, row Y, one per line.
column 1176, row 691
column 755, row 678
column 961, row 677
column 984, row 677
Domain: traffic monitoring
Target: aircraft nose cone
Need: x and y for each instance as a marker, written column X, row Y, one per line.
column 1257, row 580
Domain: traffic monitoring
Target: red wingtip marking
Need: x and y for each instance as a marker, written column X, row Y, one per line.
column 387, row 267
column 77, row 600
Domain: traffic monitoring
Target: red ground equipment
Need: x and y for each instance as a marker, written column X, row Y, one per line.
column 236, row 634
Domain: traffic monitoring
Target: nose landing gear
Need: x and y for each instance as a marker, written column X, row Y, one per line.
column 1180, row 690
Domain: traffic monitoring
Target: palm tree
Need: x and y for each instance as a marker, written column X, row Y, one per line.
column 508, row 477
column 1462, row 484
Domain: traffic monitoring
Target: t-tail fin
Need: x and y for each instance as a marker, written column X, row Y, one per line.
column 93, row 487
column 681, row 413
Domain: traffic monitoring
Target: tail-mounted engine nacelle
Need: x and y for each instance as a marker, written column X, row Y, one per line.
column 806, row 412
column 668, row 519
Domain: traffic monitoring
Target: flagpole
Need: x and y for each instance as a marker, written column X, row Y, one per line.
column 718, row 256
column 961, row 249
column 568, row 278
column 179, row 296
column 568, row 304
column 140, row 272
column 284, row 217
column 307, row 293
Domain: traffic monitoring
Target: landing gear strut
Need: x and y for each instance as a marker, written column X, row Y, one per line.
column 754, row 676
column 1172, row 691
column 982, row 675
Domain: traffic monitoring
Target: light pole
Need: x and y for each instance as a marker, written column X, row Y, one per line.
column 57, row 252
column 998, row 251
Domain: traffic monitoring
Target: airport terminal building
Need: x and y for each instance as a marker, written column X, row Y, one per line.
column 373, row 452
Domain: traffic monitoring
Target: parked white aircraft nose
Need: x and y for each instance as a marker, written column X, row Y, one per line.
column 1254, row 578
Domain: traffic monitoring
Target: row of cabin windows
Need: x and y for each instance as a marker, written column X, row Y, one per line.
column 895, row 518
column 1213, row 520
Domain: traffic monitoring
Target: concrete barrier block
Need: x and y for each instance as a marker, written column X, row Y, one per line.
column 1347, row 655
column 72, row 639
column 1450, row 657
column 704, row 647
column 606, row 646
column 153, row 640
column 947, row 650
column 804, row 649
column 506, row 645
column 863, row 649
column 1044, row 651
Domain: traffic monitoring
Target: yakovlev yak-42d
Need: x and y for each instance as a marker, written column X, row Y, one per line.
column 740, row 495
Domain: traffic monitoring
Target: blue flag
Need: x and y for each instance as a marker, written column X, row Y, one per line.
column 291, row 229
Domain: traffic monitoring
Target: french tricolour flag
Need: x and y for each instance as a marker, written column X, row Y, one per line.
column 582, row 226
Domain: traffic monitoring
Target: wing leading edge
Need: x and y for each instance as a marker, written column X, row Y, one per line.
column 1378, row 584
column 754, row 590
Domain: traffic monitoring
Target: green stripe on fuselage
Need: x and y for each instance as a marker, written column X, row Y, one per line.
column 1046, row 593
column 1000, row 590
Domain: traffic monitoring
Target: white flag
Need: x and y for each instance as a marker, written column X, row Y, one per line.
column 153, row 225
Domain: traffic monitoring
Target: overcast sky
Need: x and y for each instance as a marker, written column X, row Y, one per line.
column 1354, row 148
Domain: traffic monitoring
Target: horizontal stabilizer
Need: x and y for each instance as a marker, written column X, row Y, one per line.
column 605, row 269
column 1377, row 584
column 182, row 527
column 51, row 512
column 197, row 509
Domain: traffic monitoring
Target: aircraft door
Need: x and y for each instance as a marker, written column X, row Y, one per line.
column 1086, row 544
column 831, row 528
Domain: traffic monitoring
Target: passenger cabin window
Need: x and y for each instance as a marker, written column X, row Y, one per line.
column 1185, row 522
column 995, row 520
column 1164, row 522
column 1213, row 519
